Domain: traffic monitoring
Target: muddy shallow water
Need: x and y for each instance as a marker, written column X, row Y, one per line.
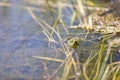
column 20, row 39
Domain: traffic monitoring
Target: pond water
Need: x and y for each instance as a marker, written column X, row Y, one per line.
column 20, row 39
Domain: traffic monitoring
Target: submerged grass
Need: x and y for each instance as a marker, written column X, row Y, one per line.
column 94, row 66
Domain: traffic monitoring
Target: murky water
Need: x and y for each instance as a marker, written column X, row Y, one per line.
column 20, row 39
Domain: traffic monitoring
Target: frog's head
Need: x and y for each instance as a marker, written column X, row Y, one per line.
column 73, row 42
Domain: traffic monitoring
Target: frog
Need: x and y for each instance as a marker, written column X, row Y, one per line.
column 74, row 42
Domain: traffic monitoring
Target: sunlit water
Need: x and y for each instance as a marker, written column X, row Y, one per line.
column 20, row 39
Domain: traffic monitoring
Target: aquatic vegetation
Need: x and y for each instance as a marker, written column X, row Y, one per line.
column 82, row 36
column 96, row 56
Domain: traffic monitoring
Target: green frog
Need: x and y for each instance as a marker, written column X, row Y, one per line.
column 74, row 42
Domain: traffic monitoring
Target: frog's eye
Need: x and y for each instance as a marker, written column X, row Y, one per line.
column 71, row 41
column 76, row 43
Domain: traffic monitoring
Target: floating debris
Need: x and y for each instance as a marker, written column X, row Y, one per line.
column 104, row 25
column 114, row 43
